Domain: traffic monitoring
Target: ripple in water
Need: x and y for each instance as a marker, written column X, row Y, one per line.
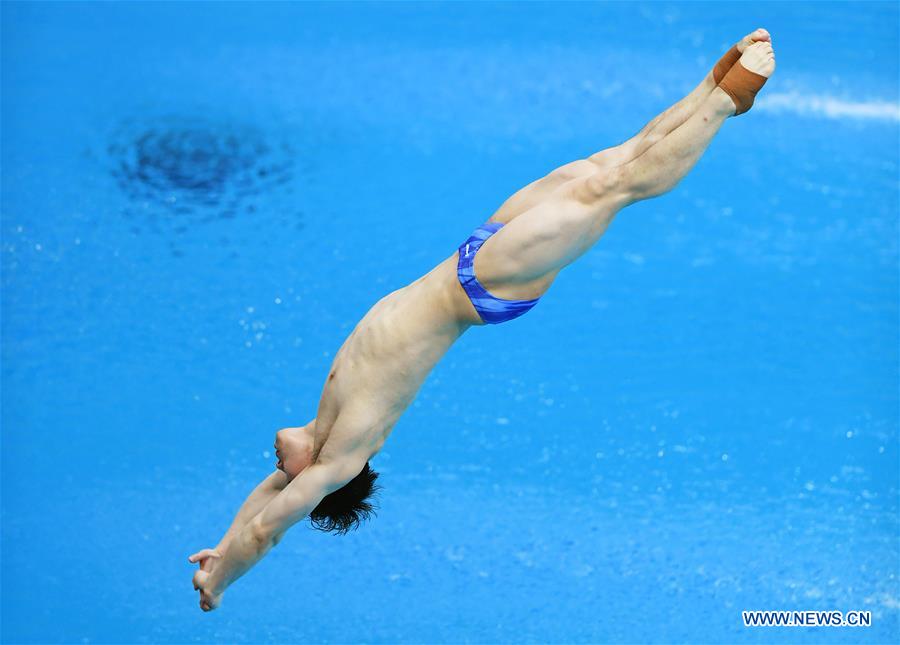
column 197, row 166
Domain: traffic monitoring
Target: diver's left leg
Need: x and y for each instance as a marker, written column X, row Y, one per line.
column 655, row 129
column 665, row 122
column 653, row 132
column 521, row 261
column 660, row 169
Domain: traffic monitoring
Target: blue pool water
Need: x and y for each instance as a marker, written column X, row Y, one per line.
column 199, row 201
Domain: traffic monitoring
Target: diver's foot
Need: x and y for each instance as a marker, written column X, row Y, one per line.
column 732, row 55
column 748, row 75
column 756, row 36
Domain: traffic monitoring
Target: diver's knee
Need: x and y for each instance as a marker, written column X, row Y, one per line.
column 614, row 156
column 573, row 170
column 616, row 185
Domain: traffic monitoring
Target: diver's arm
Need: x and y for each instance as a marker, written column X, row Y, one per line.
column 266, row 529
column 264, row 493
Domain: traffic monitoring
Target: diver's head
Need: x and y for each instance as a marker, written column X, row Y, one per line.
column 349, row 505
column 294, row 449
column 340, row 510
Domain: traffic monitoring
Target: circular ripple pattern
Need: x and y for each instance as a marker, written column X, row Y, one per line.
column 196, row 166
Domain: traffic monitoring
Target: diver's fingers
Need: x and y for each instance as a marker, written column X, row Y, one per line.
column 203, row 554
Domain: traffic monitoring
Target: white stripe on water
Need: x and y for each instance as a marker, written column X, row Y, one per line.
column 828, row 106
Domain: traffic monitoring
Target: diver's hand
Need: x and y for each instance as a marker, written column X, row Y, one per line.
column 208, row 600
column 208, row 558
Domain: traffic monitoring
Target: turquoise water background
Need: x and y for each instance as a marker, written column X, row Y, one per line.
column 199, row 201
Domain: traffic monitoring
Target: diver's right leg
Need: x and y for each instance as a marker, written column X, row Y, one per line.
column 523, row 258
column 665, row 122
column 665, row 164
column 656, row 128
column 653, row 132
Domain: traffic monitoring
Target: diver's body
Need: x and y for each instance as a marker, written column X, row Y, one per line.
column 497, row 274
column 382, row 364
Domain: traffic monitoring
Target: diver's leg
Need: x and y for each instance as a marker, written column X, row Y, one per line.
column 523, row 258
column 674, row 116
column 543, row 188
column 663, row 165
column 656, row 128
column 653, row 132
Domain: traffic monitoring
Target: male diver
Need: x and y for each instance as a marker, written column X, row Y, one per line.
column 496, row 275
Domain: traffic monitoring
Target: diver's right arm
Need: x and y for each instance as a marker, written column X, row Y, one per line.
column 264, row 493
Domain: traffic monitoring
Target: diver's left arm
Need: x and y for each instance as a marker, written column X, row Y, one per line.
column 266, row 529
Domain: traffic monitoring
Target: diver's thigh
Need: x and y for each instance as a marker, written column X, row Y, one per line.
column 540, row 190
column 542, row 240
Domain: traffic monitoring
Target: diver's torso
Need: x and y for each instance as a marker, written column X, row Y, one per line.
column 384, row 361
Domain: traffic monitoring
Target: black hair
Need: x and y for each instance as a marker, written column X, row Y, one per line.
column 345, row 508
